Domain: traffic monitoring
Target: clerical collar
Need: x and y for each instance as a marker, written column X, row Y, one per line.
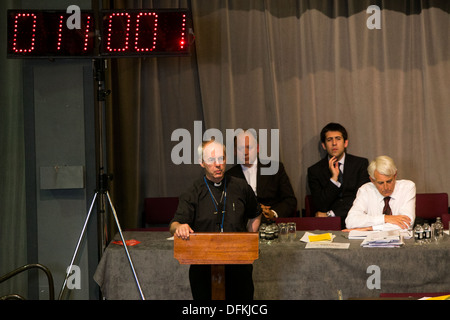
column 217, row 185
column 217, row 204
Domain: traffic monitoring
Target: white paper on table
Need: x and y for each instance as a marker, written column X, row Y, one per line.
column 358, row 234
column 383, row 236
column 361, row 235
column 327, row 245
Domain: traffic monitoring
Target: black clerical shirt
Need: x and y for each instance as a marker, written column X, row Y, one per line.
column 203, row 211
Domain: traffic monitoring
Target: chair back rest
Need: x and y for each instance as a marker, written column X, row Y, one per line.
column 310, row 211
column 314, row 223
column 160, row 210
column 431, row 205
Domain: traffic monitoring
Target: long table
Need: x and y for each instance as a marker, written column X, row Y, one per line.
column 284, row 271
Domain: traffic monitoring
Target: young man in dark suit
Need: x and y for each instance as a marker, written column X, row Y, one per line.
column 273, row 191
column 334, row 180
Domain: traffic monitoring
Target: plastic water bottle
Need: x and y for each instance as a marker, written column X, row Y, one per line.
column 276, row 231
column 426, row 232
column 418, row 234
column 262, row 233
column 269, row 234
column 438, row 229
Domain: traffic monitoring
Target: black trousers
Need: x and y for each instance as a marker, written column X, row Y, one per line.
column 238, row 282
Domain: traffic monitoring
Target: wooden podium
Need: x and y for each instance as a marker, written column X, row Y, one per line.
column 217, row 250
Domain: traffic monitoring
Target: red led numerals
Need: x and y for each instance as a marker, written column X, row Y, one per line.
column 86, row 33
column 142, row 44
column 46, row 34
column 120, row 35
column 183, row 32
column 24, row 24
column 145, row 32
column 154, row 32
column 62, row 25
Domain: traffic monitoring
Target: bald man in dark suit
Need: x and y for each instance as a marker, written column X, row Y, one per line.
column 273, row 191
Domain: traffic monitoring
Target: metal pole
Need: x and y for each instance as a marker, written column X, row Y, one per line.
column 69, row 270
column 103, row 179
column 125, row 246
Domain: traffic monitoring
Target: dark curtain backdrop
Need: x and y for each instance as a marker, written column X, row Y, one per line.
column 292, row 65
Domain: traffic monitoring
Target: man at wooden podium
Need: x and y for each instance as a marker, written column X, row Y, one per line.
column 217, row 204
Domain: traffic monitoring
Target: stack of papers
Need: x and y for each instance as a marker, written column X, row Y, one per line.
column 359, row 235
column 383, row 239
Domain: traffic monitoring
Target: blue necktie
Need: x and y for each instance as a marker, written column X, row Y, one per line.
column 340, row 179
column 340, row 176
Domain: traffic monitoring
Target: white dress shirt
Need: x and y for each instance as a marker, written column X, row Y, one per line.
column 367, row 209
column 250, row 174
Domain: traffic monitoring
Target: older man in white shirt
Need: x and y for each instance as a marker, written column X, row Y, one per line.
column 385, row 203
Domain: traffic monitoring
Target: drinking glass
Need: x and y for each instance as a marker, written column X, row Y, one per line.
column 283, row 233
column 292, row 231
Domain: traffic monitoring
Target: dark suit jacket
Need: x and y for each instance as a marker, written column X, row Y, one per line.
column 327, row 196
column 272, row 190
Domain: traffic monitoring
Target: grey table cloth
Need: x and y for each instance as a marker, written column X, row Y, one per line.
column 284, row 271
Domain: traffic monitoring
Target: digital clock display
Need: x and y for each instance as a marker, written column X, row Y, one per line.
column 40, row 33
column 141, row 32
column 123, row 33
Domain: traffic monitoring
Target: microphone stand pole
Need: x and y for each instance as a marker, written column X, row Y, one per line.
column 102, row 193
